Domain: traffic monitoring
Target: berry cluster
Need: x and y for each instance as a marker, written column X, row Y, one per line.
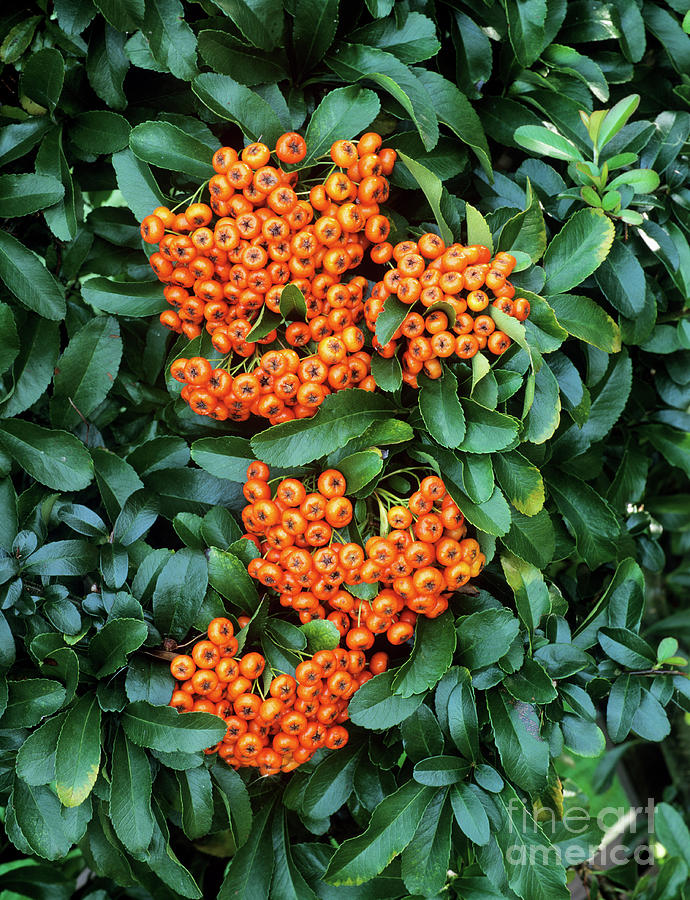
column 283, row 385
column 448, row 284
column 420, row 561
column 277, row 729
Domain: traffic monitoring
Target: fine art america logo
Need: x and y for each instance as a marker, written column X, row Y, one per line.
column 577, row 836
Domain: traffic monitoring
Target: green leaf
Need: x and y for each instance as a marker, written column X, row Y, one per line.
column 86, row 371
column 425, row 860
column 124, row 298
column 546, row 142
column 43, row 76
column 196, row 795
column 24, row 273
column 622, row 280
column 18, row 38
column 54, row 458
column 360, row 468
column 111, row 646
column 342, row 113
column 179, row 593
column 526, row 28
column 330, row 784
column 469, row 813
column 478, row 231
column 292, row 303
column 520, row 480
column 224, row 457
column 421, row 735
column 441, row 409
column 140, row 190
column 163, row 728
column 413, row 40
column 616, row 118
column 107, row 66
column 433, row 190
column 61, row 218
column 116, row 480
column 524, row 755
column 99, row 131
column 531, row 593
column 130, row 795
column 149, row 679
column 288, row 880
column 454, row 110
column 239, row 104
column 227, row 55
column 485, row 636
column 171, row 40
column 626, row 648
column 570, row 62
column 78, row 756
column 168, row 147
column 390, row 318
column 21, row 195
column 462, row 716
column 9, row 349
column 123, row 15
column 260, row 21
column 586, row 320
column 228, row 575
column 487, row 431
column 671, row 831
column 672, row 444
column 62, row 558
column 341, row 417
column 250, row 870
column 527, row 853
column 390, row 830
column 320, row 634
column 431, row 656
column 30, row 700
column 577, row 250
column 441, row 771
column 376, row 706
column 39, row 817
column 545, row 412
column 532, row 684
column 525, row 232
column 36, row 756
column 354, row 62
column 623, row 702
column 313, row 30
column 670, row 35
column 593, row 523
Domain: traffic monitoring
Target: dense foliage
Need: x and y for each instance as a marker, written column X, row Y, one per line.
column 568, row 455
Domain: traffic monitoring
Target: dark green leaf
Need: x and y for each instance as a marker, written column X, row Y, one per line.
column 111, row 646
column 25, row 275
column 342, row 113
column 431, row 656
column 441, row 410
column 21, row 195
column 485, row 636
column 342, row 416
column 100, row 131
column 469, row 813
column 179, row 592
column 391, row 829
column 524, row 755
column 237, row 103
column 169, row 147
column 164, row 728
column 78, row 756
column 376, row 706
column 577, row 250
column 86, row 371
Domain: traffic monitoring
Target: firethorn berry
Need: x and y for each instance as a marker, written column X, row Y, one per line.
column 279, row 729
